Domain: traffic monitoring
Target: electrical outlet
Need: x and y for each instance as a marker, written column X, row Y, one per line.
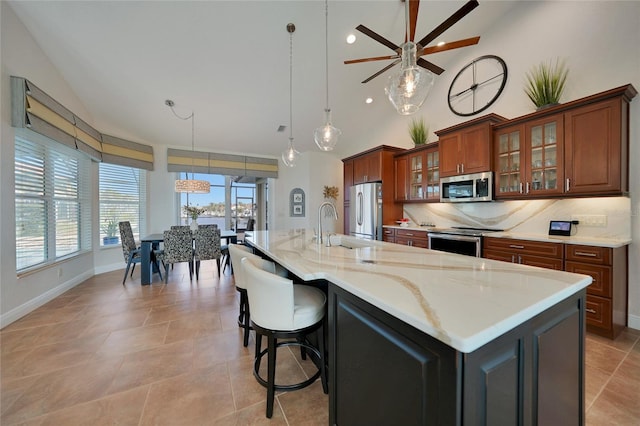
column 59, row 272
column 595, row 220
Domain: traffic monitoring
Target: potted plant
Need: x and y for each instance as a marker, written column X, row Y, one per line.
column 545, row 83
column 110, row 228
column 418, row 132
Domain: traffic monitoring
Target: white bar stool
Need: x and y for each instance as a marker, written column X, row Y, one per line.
column 281, row 310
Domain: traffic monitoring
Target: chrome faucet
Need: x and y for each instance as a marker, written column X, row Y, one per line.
column 335, row 217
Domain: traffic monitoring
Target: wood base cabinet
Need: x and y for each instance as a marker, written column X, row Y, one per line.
column 385, row 372
column 606, row 304
column 607, row 295
column 525, row 252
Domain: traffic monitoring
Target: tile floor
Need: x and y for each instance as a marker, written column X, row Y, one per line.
column 103, row 353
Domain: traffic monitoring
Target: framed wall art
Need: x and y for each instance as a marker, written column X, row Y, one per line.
column 296, row 203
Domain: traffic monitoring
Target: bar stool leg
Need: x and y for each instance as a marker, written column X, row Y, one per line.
column 271, row 374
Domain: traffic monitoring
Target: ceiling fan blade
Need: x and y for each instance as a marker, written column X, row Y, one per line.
column 377, row 37
column 430, row 66
column 449, row 46
column 382, row 70
column 376, row 58
column 461, row 13
column 414, row 5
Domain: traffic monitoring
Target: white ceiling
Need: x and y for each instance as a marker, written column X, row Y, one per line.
column 228, row 61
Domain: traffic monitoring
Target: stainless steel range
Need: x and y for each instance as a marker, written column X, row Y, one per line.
column 460, row 240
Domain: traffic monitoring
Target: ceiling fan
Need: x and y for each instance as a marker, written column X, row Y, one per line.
column 421, row 49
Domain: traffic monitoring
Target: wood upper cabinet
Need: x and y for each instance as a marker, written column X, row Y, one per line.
column 596, row 160
column 528, row 158
column 467, row 147
column 418, row 174
column 367, row 168
column 575, row 149
column 401, row 177
column 374, row 165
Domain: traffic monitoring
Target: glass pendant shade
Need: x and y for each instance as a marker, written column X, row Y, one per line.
column 326, row 137
column 290, row 155
column 408, row 89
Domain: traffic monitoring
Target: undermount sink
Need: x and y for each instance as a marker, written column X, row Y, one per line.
column 350, row 242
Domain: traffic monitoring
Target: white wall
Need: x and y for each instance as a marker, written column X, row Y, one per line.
column 22, row 57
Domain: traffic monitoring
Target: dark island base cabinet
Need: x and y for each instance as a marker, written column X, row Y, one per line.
column 385, row 372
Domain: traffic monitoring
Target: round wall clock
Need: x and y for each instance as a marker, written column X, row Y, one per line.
column 477, row 85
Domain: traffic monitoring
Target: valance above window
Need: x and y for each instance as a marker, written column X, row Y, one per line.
column 32, row 108
column 222, row 164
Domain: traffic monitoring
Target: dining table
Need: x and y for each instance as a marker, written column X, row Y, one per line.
column 152, row 242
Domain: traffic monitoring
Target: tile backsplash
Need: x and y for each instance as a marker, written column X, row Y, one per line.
column 529, row 216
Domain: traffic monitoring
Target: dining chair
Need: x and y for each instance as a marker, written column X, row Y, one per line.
column 182, row 227
column 207, row 247
column 130, row 250
column 178, row 247
column 281, row 310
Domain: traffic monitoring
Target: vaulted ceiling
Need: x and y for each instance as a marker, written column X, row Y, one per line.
column 228, row 61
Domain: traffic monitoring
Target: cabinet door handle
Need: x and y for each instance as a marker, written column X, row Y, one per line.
column 462, row 167
column 457, row 168
column 527, row 191
column 408, row 234
column 581, row 253
column 568, row 185
column 519, row 259
column 521, row 187
column 513, row 258
column 591, row 311
column 516, row 246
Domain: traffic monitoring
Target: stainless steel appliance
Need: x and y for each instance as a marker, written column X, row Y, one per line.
column 466, row 188
column 460, row 240
column 365, row 217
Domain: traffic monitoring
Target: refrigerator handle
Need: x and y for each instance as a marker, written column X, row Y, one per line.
column 360, row 208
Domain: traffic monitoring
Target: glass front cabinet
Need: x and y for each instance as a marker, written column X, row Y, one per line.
column 529, row 158
column 424, row 174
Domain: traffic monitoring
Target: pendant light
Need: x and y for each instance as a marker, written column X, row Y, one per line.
column 326, row 137
column 408, row 89
column 192, row 185
column 290, row 155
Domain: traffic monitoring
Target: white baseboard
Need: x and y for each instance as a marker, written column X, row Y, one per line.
column 22, row 310
column 634, row 321
column 108, row 268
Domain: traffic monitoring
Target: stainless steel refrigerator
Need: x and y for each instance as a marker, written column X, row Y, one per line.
column 365, row 219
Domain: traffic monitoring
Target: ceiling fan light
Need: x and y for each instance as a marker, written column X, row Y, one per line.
column 326, row 137
column 290, row 155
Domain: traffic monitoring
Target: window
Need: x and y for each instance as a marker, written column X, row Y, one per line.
column 241, row 197
column 123, row 196
column 52, row 202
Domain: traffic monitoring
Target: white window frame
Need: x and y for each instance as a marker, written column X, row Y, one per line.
column 58, row 178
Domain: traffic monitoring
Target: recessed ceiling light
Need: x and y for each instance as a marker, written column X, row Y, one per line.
column 441, row 43
column 369, row 100
column 351, row 38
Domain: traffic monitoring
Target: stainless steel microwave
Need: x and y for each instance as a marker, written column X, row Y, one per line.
column 467, row 188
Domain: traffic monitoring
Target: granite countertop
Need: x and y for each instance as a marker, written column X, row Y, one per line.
column 574, row 239
column 462, row 301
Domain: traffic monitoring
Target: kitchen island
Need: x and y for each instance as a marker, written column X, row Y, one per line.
column 426, row 337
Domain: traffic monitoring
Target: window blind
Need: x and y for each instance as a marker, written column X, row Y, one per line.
column 52, row 201
column 123, row 197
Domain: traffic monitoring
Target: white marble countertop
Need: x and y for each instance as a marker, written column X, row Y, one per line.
column 574, row 239
column 463, row 301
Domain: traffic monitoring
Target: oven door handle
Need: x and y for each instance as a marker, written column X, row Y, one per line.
column 453, row 237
